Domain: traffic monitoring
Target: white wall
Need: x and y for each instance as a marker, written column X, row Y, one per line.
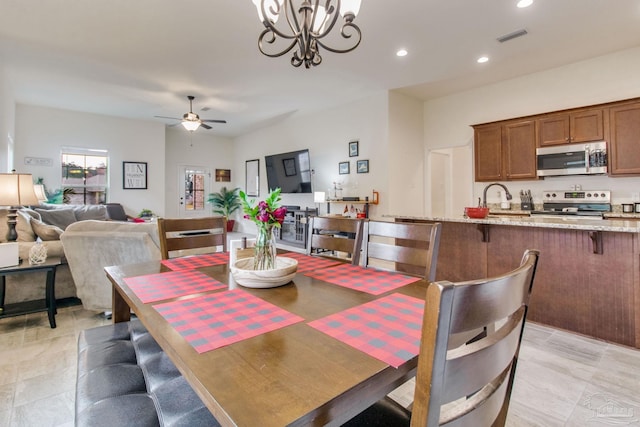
column 202, row 148
column 326, row 134
column 42, row 132
column 405, row 154
column 7, row 122
column 448, row 120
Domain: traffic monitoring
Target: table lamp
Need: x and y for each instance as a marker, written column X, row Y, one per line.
column 16, row 190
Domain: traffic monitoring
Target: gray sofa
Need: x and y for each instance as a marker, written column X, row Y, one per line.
column 87, row 241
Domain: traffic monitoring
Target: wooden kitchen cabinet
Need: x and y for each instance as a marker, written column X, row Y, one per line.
column 571, row 127
column 487, row 146
column 624, row 145
column 505, row 151
column 519, row 149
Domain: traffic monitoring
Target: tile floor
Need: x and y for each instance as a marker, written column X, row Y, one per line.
column 562, row 379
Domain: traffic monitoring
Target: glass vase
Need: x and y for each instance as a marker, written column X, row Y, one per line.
column 265, row 249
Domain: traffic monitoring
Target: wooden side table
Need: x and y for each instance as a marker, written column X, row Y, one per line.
column 50, row 266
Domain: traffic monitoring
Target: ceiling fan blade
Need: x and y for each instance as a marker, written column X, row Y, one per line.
column 165, row 117
column 215, row 121
column 205, row 126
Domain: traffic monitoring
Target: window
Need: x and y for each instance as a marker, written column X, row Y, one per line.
column 85, row 176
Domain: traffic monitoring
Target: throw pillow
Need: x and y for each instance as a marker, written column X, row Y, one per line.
column 61, row 218
column 44, row 231
column 23, row 226
column 98, row 212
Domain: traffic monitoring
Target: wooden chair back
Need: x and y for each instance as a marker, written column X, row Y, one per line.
column 411, row 248
column 479, row 375
column 329, row 235
column 192, row 235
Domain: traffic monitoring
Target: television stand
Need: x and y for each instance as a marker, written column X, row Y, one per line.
column 294, row 227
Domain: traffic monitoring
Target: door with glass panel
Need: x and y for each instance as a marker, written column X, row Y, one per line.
column 194, row 186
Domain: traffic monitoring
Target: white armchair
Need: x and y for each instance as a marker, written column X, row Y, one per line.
column 89, row 246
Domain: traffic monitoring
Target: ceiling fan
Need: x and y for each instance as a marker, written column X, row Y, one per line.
column 191, row 121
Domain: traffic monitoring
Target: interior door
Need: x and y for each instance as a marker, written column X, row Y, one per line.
column 194, row 186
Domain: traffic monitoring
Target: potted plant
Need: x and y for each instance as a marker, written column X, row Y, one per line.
column 225, row 202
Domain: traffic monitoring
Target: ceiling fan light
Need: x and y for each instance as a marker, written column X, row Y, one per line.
column 190, row 125
column 348, row 7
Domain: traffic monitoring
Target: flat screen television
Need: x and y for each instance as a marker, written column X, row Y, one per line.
column 290, row 172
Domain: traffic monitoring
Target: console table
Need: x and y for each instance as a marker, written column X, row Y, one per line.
column 49, row 266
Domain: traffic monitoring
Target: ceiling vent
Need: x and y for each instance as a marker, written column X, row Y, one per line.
column 205, row 109
column 513, row 35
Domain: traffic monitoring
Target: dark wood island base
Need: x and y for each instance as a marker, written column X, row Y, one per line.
column 588, row 280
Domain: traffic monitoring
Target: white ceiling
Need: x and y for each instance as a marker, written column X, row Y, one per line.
column 142, row 58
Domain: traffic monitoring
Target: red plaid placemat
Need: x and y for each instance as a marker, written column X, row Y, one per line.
column 156, row 287
column 369, row 280
column 211, row 321
column 196, row 261
column 309, row 263
column 387, row 329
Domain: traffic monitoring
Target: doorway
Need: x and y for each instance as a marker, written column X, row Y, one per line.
column 194, row 186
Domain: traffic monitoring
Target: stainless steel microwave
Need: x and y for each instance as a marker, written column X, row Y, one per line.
column 572, row 159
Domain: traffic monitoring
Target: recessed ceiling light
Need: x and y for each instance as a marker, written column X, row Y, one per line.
column 402, row 52
column 483, row 59
column 524, row 3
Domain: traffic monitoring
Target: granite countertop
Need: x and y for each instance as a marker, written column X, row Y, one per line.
column 624, row 223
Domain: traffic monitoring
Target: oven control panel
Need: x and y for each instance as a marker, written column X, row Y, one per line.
column 582, row 196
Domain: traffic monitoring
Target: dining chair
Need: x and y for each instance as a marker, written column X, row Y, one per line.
column 330, row 237
column 469, row 385
column 408, row 247
column 187, row 236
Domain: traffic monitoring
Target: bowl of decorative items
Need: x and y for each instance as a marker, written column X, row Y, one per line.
column 476, row 212
column 244, row 274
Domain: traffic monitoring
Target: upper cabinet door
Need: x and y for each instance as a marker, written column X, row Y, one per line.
column 571, row 127
column 554, row 130
column 624, row 146
column 519, row 146
column 488, row 152
column 587, row 125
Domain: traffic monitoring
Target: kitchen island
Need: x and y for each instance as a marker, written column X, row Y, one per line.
column 588, row 277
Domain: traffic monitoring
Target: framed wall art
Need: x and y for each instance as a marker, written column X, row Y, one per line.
column 223, row 175
column 134, row 175
column 353, row 149
column 362, row 166
column 252, row 177
column 343, row 168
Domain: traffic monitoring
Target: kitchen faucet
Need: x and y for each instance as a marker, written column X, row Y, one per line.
column 484, row 193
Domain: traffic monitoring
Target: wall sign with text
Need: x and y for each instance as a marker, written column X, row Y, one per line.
column 134, row 175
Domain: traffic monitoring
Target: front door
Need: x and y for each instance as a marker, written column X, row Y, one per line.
column 194, row 186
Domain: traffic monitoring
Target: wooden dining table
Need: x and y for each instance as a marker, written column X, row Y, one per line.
column 291, row 376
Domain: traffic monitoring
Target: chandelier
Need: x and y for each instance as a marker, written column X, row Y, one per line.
column 308, row 23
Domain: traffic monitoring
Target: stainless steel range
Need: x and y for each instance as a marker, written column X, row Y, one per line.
column 587, row 204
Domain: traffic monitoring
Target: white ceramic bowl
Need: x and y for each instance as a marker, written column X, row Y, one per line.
column 244, row 274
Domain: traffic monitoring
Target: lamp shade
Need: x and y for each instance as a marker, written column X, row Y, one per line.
column 16, row 189
column 350, row 6
column 270, row 6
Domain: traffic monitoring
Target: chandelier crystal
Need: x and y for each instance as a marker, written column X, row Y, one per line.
column 308, row 22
